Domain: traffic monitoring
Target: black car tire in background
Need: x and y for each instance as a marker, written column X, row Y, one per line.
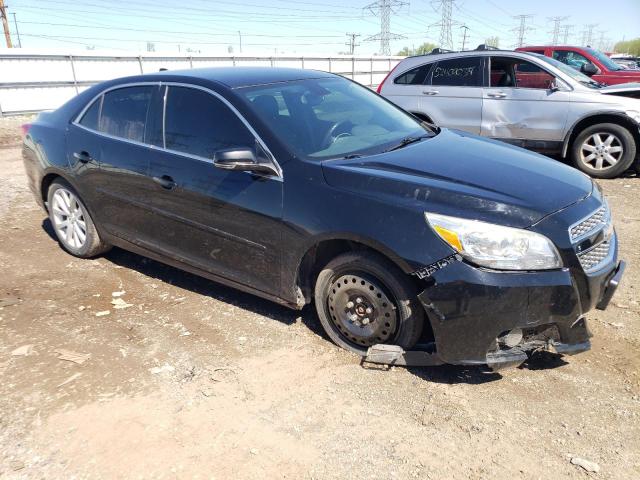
column 623, row 138
column 76, row 212
column 373, row 292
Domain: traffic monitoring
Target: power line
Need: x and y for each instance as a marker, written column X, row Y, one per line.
column 522, row 28
column 384, row 9
column 556, row 28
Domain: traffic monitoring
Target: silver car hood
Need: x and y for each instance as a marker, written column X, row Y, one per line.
column 621, row 87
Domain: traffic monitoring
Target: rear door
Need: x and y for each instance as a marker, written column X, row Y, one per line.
column 520, row 104
column 108, row 148
column 223, row 221
column 453, row 94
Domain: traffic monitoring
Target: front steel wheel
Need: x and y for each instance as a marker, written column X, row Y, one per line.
column 362, row 299
column 604, row 150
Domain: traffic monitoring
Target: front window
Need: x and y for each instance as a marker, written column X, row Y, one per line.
column 511, row 72
column 571, row 72
column 330, row 117
column 604, row 60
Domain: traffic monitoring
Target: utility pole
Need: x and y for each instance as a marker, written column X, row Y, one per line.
column 352, row 42
column 384, row 9
column 522, row 29
column 556, row 28
column 5, row 24
column 464, row 36
column 240, row 40
column 566, row 29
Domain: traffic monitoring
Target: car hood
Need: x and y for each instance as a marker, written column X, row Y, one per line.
column 460, row 174
column 625, row 89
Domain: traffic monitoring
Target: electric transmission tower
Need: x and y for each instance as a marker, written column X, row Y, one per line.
column 522, row 29
column 566, row 31
column 445, row 7
column 384, row 9
column 352, row 42
column 587, row 34
column 556, row 28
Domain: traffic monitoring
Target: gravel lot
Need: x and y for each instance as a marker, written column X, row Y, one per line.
column 195, row 380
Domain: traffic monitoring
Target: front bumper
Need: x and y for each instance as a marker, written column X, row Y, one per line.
column 472, row 308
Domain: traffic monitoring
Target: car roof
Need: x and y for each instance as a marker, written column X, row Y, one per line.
column 237, row 77
column 434, row 57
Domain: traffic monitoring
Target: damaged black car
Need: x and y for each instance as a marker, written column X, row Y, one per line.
column 415, row 244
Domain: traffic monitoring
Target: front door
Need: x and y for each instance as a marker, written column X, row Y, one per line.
column 225, row 222
column 524, row 103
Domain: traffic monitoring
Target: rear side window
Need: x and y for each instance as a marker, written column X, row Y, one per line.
column 199, row 124
column 415, row 76
column 91, row 116
column 124, row 112
column 458, row 72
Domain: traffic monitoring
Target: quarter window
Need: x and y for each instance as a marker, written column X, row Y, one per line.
column 91, row 116
column 199, row 124
column 415, row 76
column 124, row 112
column 458, row 72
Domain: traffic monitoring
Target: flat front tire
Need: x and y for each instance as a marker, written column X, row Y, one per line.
column 72, row 223
column 605, row 150
column 363, row 299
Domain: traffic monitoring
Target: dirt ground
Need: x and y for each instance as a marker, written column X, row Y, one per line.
column 195, row 380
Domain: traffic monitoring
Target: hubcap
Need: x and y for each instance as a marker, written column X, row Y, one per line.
column 68, row 218
column 601, row 151
column 361, row 311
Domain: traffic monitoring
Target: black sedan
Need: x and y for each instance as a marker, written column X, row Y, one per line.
column 301, row 186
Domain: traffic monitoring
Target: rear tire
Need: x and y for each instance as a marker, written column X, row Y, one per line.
column 71, row 222
column 363, row 299
column 604, row 150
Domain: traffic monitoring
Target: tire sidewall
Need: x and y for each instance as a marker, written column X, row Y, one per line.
column 409, row 315
column 628, row 143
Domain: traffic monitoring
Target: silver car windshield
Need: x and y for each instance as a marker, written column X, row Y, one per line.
column 571, row 72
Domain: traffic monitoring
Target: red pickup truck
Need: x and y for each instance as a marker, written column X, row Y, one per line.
column 589, row 61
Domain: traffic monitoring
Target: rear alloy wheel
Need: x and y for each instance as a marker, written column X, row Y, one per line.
column 604, row 151
column 72, row 223
column 362, row 300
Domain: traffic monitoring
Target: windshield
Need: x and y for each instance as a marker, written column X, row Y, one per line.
column 571, row 72
column 331, row 117
column 603, row 59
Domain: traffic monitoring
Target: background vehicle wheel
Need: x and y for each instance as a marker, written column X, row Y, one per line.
column 604, row 150
column 70, row 219
column 362, row 299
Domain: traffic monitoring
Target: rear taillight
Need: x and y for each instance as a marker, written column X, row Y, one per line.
column 25, row 129
column 385, row 79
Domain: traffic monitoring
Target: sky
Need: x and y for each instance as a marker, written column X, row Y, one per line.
column 302, row 27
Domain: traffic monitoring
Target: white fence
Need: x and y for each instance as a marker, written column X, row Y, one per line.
column 32, row 83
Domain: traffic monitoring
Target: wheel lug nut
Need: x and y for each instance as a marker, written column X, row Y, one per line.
column 349, row 304
column 368, row 310
column 358, row 300
column 365, row 321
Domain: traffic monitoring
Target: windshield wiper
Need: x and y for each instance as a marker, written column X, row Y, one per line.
column 352, row 155
column 407, row 141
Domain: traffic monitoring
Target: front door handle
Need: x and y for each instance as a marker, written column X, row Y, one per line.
column 431, row 92
column 165, row 181
column 83, row 157
column 497, row 95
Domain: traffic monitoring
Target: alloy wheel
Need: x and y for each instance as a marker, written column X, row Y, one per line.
column 69, row 219
column 361, row 311
column 601, row 151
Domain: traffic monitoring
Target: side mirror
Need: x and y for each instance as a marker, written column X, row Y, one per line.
column 243, row 159
column 589, row 69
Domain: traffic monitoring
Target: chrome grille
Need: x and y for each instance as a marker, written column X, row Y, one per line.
column 592, row 259
column 591, row 224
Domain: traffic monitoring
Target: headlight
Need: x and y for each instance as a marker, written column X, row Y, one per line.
column 495, row 246
column 634, row 114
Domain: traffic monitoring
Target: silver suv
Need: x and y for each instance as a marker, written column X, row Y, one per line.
column 524, row 99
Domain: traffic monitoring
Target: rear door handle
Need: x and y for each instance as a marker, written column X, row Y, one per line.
column 165, row 181
column 497, row 95
column 83, row 157
column 431, row 92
